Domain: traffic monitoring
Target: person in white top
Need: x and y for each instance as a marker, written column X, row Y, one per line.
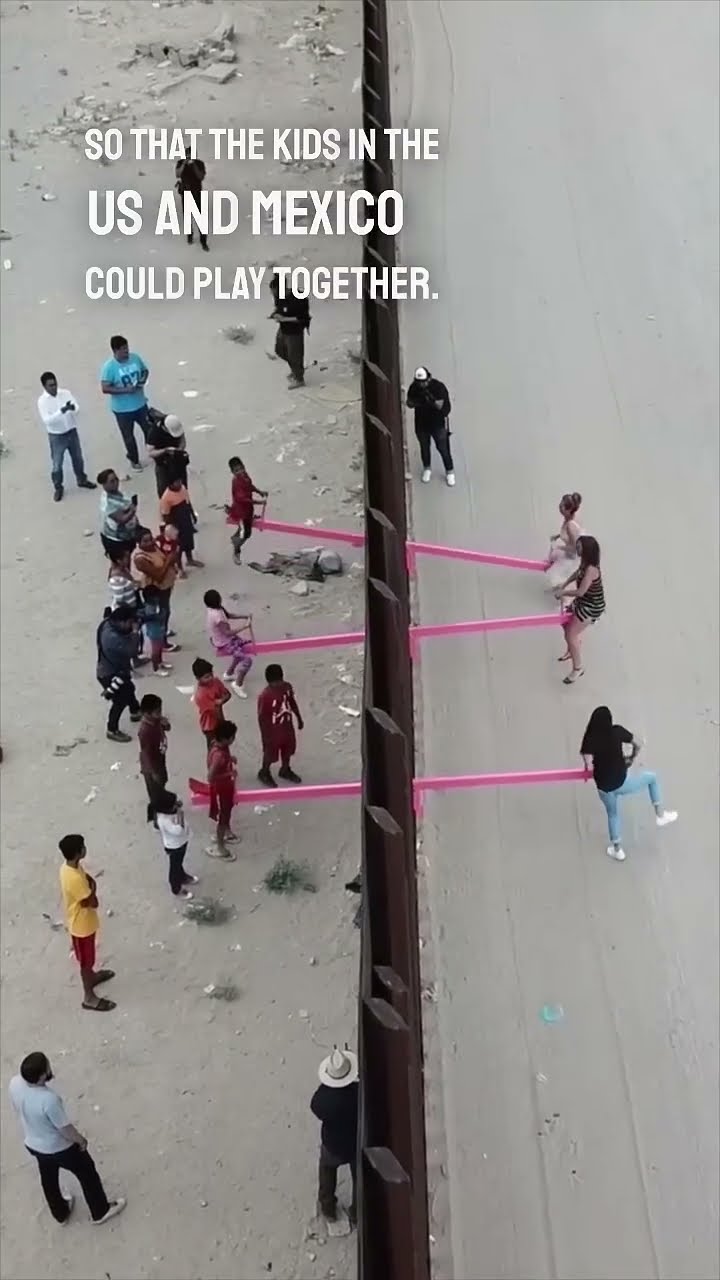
column 58, row 409
column 56, row 1144
column 175, row 834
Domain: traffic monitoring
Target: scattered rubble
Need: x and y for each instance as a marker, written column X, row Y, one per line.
column 239, row 333
column 312, row 564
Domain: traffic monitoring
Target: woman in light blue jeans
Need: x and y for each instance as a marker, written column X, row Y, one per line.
column 603, row 750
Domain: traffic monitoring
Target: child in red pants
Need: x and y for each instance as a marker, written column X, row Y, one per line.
column 276, row 708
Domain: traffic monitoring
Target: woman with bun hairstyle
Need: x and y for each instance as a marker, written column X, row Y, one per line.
column 563, row 556
column 587, row 599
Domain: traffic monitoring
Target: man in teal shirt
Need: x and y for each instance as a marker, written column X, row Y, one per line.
column 123, row 378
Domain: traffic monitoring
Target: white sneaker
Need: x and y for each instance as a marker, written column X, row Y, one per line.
column 70, row 1202
column 238, row 689
column 426, row 476
column 613, row 851
column 450, row 478
column 666, row 817
column 116, row 1207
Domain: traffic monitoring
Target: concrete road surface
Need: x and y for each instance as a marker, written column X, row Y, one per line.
column 571, row 229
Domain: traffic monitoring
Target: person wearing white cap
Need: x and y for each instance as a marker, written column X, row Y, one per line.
column 431, row 402
column 335, row 1103
column 166, row 447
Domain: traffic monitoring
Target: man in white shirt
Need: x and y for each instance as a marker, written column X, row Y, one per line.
column 56, row 1143
column 58, row 409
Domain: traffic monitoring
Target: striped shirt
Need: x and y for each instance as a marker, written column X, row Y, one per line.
column 590, row 606
column 122, row 590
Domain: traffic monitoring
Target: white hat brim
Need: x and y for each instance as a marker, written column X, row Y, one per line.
column 330, row 1081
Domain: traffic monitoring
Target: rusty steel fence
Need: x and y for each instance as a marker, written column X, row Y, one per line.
column 393, row 1238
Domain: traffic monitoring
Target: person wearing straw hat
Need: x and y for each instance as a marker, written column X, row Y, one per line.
column 166, row 446
column 335, row 1103
column 429, row 399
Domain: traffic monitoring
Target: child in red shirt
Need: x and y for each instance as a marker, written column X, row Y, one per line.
column 242, row 508
column 210, row 697
column 222, row 774
column 276, row 708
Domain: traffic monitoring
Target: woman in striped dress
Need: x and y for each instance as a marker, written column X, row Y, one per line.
column 587, row 599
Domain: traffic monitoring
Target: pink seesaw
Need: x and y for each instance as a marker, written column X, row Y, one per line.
column 424, row 631
column 200, row 791
column 414, row 549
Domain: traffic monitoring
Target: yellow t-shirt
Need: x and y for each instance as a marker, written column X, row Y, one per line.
column 74, row 886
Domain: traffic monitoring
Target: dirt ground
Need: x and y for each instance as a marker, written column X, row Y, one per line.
column 196, row 1110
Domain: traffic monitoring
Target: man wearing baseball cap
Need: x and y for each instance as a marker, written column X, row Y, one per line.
column 430, row 400
column 335, row 1103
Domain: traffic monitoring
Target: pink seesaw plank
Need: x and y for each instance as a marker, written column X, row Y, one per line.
column 477, row 557
column 527, row 777
column 310, row 531
column 427, row 631
column 344, row 790
column 306, row 642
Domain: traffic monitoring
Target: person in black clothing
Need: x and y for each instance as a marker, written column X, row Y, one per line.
column 116, row 649
column 430, row 400
column 293, row 317
column 166, row 447
column 335, row 1104
column 603, row 750
column 189, row 176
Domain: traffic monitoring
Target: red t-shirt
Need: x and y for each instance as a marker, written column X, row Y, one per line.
column 275, row 706
column 221, row 766
column 153, row 745
column 205, row 698
column 242, row 497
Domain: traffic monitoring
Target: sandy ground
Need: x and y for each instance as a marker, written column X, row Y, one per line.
column 572, row 224
column 198, row 1111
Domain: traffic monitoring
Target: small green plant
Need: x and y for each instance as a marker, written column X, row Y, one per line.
column 286, row 876
column 207, row 911
column 222, row 990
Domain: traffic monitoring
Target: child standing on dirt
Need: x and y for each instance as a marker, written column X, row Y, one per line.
column 175, row 836
column 222, row 775
column 210, row 697
column 242, row 508
column 276, row 708
column 176, row 509
column 152, row 739
column 79, row 895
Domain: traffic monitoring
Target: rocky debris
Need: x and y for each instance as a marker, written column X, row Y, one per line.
column 352, row 177
column 311, row 564
column 314, row 44
column 239, row 333
column 308, row 166
column 202, row 54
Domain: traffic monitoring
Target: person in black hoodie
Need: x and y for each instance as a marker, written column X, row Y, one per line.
column 116, row 648
column 293, row 317
column 189, row 176
column 335, row 1104
column 431, row 402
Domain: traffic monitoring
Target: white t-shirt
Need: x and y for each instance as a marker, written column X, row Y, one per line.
column 55, row 422
column 173, row 830
column 42, row 1114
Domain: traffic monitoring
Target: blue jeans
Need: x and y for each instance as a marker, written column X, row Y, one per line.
column 126, row 423
column 633, row 783
column 60, row 444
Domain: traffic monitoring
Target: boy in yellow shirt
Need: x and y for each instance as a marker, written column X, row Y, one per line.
column 79, row 894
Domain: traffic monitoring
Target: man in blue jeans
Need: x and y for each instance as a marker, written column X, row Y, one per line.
column 58, row 409
column 56, row 1144
column 123, row 378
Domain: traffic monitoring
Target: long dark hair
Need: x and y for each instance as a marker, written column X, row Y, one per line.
column 597, row 732
column 589, row 552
